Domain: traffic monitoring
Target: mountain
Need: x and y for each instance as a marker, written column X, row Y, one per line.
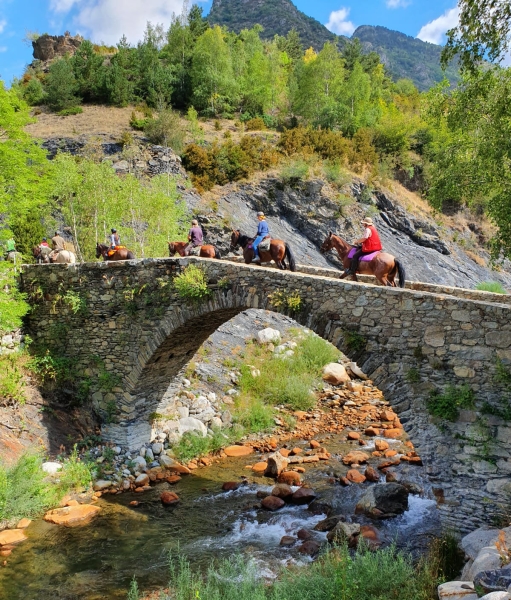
column 405, row 56
column 276, row 16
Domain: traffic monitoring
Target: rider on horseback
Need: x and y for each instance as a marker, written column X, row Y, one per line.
column 370, row 242
column 44, row 243
column 115, row 239
column 262, row 231
column 58, row 244
column 195, row 237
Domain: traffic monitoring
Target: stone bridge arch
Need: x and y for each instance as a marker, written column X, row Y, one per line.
column 142, row 331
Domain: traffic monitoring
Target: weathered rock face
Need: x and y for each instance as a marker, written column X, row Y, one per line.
column 383, row 500
column 47, row 47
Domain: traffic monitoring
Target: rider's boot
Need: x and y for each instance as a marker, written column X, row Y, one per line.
column 256, row 258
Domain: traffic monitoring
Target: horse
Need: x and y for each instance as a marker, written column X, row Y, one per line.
column 383, row 266
column 206, row 251
column 65, row 257
column 41, row 254
column 278, row 251
column 119, row 254
column 14, row 257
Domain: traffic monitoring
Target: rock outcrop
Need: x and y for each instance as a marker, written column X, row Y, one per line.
column 48, row 47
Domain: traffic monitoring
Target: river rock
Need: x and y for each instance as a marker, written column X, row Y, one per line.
column 24, row 523
column 192, row 424
column 357, row 457
column 234, row 451
column 231, row 486
column 497, row 580
column 169, row 498
column 457, row 590
column 381, row 445
column 383, row 500
column 272, row 503
column 141, row 480
column 149, row 456
column 372, row 475
column 335, row 374
column 69, row 516
column 344, row 532
column 371, row 536
column 276, row 464
column 483, row 537
column 355, row 476
column 12, row 536
column 102, row 484
column 282, row 490
column 260, row 467
column 496, row 596
column 165, row 461
column 357, row 371
column 268, row 335
column 304, row 535
column 303, row 496
column 309, row 548
column 488, row 559
column 140, row 463
column 287, row 540
column 51, row 467
column 329, row 523
column 289, row 477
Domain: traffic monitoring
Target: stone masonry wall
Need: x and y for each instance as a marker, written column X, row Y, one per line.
column 141, row 332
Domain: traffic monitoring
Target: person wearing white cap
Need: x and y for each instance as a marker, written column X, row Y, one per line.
column 370, row 242
column 262, row 231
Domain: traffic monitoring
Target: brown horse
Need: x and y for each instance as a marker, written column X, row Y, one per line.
column 206, row 251
column 278, row 251
column 383, row 266
column 119, row 254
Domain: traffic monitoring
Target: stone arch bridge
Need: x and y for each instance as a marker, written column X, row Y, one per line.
column 128, row 317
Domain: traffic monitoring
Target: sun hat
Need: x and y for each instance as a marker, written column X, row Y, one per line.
column 260, row 214
column 367, row 221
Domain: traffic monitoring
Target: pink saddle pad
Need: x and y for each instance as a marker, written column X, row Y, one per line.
column 366, row 257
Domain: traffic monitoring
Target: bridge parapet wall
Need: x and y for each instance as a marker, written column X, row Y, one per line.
column 141, row 333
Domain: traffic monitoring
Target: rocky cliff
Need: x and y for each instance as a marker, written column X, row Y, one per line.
column 47, row 47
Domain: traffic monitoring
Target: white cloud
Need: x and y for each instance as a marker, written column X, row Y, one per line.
column 397, row 3
column 338, row 22
column 434, row 31
column 108, row 20
column 3, row 24
column 62, row 6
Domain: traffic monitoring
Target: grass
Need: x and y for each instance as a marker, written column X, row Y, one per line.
column 491, row 286
column 12, row 378
column 26, row 491
column 193, row 444
column 382, row 575
column 447, row 404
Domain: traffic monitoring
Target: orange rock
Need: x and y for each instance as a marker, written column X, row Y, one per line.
column 134, row 503
column 387, row 415
column 355, row 458
column 260, row 467
column 296, row 451
column 389, row 453
column 372, row 431
column 192, row 465
column 324, row 456
column 381, row 445
column 72, row 515
column 233, row 451
column 353, row 435
column 178, row 468
column 376, row 453
column 72, row 503
column 388, row 463
column 273, row 443
column 409, row 444
column 371, row 474
column 169, row 498
column 285, row 452
column 5, row 552
column 370, row 533
column 139, row 490
column 314, row 444
column 172, row 478
column 299, row 469
column 413, row 460
column 300, row 415
column 24, row 523
column 355, row 476
column 310, row 459
column 393, row 433
column 289, row 477
column 12, row 536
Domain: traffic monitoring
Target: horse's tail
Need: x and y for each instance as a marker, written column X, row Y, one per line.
column 289, row 255
column 401, row 273
column 217, row 253
column 130, row 255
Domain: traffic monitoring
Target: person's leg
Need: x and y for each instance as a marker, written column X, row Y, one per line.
column 255, row 245
column 188, row 247
column 355, row 261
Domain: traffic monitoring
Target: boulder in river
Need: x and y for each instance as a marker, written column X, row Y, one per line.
column 344, row 532
column 457, row 590
column 497, row 580
column 289, row 477
column 234, row 451
column 357, row 457
column 272, row 503
column 383, row 500
column 303, row 495
column 276, row 464
column 230, row 486
column 329, row 523
column 169, row 498
column 287, row 540
column 69, row 516
column 12, row 536
column 309, row 548
column 282, row 490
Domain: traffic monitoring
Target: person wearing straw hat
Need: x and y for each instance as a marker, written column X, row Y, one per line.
column 195, row 237
column 262, row 231
column 369, row 243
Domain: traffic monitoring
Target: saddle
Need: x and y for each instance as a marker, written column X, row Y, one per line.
column 195, row 251
column 112, row 252
column 365, row 257
column 265, row 244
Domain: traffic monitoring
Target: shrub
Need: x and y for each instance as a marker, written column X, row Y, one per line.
column 166, row 130
column 335, row 174
column 491, row 286
column 191, row 284
column 12, row 377
column 256, row 124
column 446, row 405
column 33, row 92
column 136, row 123
column 282, row 299
column 255, row 416
column 354, row 341
column 72, row 110
column 295, row 171
column 13, row 306
column 330, row 145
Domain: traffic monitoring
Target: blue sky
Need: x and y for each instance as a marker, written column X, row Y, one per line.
column 107, row 20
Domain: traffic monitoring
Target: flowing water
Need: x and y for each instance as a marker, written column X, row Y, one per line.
column 98, row 560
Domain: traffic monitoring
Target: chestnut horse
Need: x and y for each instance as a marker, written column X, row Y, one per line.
column 119, row 254
column 278, row 251
column 206, row 251
column 383, row 266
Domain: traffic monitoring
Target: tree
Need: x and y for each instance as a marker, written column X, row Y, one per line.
column 120, row 77
column 483, row 33
column 61, row 86
column 88, row 71
column 155, row 81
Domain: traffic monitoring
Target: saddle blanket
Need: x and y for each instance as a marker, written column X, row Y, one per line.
column 112, row 252
column 195, row 251
column 366, row 257
column 265, row 244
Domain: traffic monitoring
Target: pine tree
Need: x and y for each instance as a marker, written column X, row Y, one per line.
column 61, row 86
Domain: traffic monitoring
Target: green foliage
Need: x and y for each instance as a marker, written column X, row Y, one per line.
column 33, row 92
column 413, row 375
column 166, row 130
column 354, row 341
column 494, row 287
column 286, row 300
column 340, row 573
column 193, row 444
column 13, row 305
column 72, row 110
column 61, row 86
column 256, row 124
column 503, row 373
column 75, row 302
column 76, row 473
column 294, row 171
column 447, row 404
column 191, row 284
column 255, row 416
column 12, row 378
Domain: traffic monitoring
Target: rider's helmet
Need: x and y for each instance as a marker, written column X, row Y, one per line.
column 260, row 214
column 113, row 230
column 45, row 240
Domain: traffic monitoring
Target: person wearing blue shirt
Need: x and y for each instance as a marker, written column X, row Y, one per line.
column 262, row 231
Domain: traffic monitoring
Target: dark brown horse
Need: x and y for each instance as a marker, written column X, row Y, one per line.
column 278, row 251
column 383, row 266
column 206, row 251
column 119, row 254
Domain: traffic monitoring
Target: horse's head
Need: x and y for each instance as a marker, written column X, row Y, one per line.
column 100, row 250
column 36, row 251
column 235, row 239
column 327, row 244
